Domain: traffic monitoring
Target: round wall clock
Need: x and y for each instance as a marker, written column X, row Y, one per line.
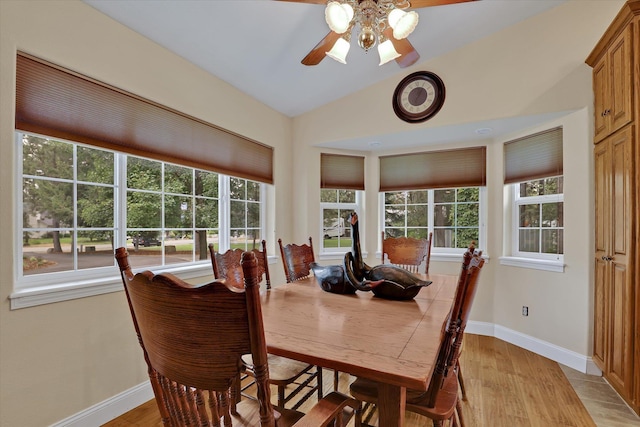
column 418, row 97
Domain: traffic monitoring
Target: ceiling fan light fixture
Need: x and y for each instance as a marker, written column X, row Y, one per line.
column 403, row 23
column 367, row 38
column 338, row 16
column 387, row 52
column 339, row 50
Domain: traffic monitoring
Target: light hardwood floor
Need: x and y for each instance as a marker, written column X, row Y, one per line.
column 507, row 387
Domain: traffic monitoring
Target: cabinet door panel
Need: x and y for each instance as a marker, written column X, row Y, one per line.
column 620, row 369
column 601, row 98
column 602, row 164
column 621, row 81
column 621, row 316
column 600, row 314
column 622, row 202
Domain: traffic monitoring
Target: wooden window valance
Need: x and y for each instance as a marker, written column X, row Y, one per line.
column 59, row 103
column 464, row 167
column 341, row 172
column 533, row 157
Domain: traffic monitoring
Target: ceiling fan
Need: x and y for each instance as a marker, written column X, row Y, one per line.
column 383, row 21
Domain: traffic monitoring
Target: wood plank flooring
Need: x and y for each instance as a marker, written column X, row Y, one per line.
column 507, row 387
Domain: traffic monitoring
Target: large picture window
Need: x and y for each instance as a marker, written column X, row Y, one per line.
column 80, row 202
column 77, row 199
column 453, row 215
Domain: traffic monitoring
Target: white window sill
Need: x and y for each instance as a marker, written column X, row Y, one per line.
column 40, row 295
column 441, row 257
column 536, row 264
column 328, row 256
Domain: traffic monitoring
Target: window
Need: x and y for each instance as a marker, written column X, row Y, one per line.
column 341, row 185
column 533, row 171
column 75, row 197
column 336, row 205
column 436, row 191
column 79, row 203
column 539, row 218
column 452, row 214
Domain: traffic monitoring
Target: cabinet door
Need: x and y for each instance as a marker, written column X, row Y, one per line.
column 601, row 98
column 621, row 63
column 602, row 163
column 612, row 87
column 621, row 293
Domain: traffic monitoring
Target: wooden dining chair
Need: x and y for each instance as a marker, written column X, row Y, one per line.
column 227, row 265
column 440, row 401
column 407, row 252
column 193, row 338
column 284, row 373
column 297, row 260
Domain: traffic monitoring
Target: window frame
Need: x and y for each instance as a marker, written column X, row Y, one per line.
column 518, row 201
column 442, row 253
column 37, row 289
column 335, row 253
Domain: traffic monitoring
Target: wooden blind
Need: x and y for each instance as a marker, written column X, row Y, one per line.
column 60, row 103
column 533, row 157
column 341, row 172
column 465, row 167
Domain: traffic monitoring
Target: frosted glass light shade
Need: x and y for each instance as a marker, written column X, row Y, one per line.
column 387, row 52
column 403, row 23
column 338, row 16
column 339, row 50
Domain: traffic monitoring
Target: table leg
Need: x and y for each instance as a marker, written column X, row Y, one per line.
column 391, row 405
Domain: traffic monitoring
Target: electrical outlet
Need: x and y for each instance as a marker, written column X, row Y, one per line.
column 525, row 310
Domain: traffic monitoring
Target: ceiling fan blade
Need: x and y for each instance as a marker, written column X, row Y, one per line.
column 408, row 54
column 317, row 54
column 408, row 59
column 415, row 4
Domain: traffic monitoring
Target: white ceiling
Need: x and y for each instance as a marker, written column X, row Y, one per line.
column 256, row 46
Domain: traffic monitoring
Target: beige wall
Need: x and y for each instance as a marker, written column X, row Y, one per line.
column 62, row 358
column 59, row 359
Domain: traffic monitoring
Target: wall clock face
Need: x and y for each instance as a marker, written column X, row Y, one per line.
column 418, row 97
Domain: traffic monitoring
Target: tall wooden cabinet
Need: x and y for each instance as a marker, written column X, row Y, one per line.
column 616, row 84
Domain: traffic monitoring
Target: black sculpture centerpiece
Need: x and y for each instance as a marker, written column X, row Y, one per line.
column 385, row 280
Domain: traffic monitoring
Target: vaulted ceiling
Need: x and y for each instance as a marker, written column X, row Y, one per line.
column 257, row 45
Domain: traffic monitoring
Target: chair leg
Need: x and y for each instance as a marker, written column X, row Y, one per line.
column 236, row 389
column 336, row 379
column 320, row 383
column 358, row 415
column 459, row 413
column 461, row 382
column 280, row 397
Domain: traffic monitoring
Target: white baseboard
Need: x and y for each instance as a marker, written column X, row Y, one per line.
column 109, row 409
column 119, row 404
column 569, row 358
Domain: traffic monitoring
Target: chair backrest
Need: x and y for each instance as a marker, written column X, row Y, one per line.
column 453, row 328
column 407, row 252
column 296, row 260
column 227, row 265
column 193, row 338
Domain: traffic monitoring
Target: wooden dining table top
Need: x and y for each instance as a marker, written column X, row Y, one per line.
column 394, row 342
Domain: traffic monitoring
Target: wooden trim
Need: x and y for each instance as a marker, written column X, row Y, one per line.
column 626, row 14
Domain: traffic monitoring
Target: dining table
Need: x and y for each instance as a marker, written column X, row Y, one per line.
column 392, row 342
